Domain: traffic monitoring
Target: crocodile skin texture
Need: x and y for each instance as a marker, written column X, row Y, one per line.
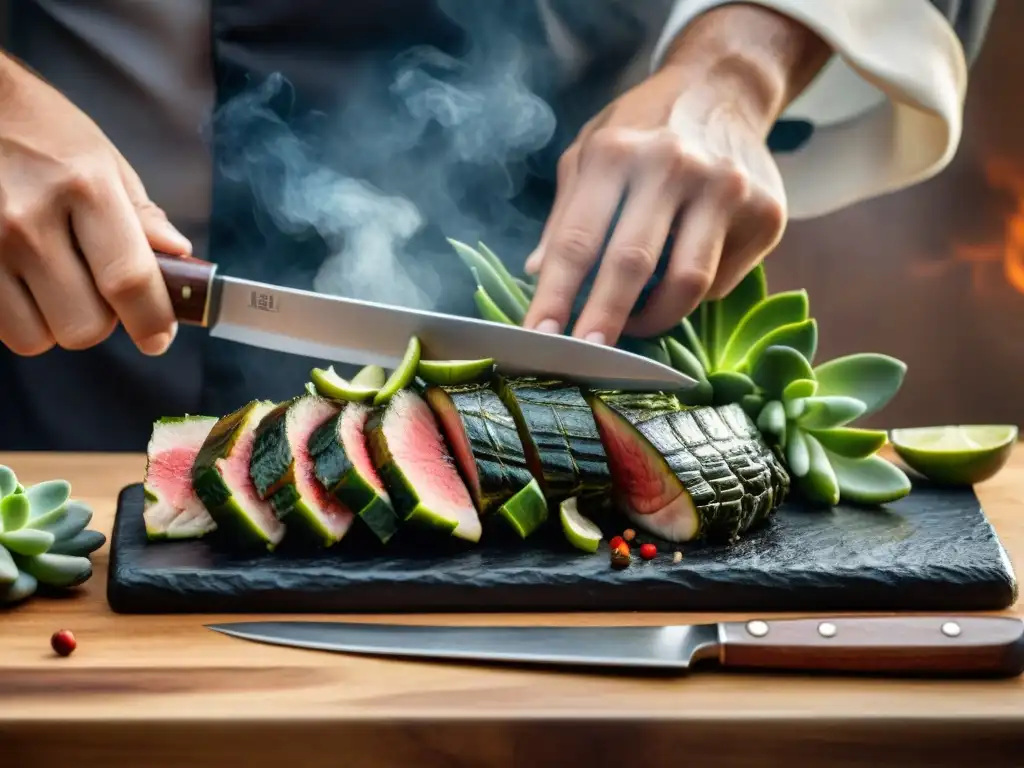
column 933, row 550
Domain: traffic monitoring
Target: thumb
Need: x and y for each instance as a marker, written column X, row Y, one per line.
column 161, row 234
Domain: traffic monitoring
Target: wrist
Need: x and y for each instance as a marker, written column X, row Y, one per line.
column 758, row 59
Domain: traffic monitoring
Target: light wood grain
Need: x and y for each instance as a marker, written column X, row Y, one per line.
column 167, row 687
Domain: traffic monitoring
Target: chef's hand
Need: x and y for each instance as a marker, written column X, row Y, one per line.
column 77, row 230
column 687, row 149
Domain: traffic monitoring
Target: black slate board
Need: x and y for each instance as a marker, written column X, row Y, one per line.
column 933, row 550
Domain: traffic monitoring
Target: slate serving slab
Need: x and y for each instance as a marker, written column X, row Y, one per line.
column 933, row 550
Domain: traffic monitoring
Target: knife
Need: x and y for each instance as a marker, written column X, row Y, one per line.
column 363, row 332
column 953, row 646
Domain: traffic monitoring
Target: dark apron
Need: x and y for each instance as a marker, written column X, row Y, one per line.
column 337, row 88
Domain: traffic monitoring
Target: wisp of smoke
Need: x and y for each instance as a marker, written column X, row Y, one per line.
column 428, row 146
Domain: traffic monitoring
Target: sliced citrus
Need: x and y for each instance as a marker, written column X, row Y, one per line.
column 403, row 375
column 581, row 532
column 329, row 384
column 527, row 510
column 956, row 455
column 371, row 377
column 454, row 371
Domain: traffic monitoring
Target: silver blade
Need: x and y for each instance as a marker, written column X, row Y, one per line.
column 366, row 333
column 667, row 647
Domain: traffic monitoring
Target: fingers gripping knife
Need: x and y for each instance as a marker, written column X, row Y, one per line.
column 367, row 333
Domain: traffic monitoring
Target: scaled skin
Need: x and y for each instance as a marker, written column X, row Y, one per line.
column 689, row 145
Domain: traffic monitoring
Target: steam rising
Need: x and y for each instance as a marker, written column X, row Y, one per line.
column 428, row 146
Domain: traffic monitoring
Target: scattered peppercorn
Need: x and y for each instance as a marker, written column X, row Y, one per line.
column 620, row 557
column 648, row 551
column 616, row 540
column 629, row 534
column 677, row 557
column 63, row 642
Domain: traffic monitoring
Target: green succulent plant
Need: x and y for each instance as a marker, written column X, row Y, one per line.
column 757, row 349
column 44, row 538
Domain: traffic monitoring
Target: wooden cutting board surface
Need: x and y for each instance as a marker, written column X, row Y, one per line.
column 205, row 697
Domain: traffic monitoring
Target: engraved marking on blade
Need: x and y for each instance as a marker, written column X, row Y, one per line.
column 265, row 302
column 757, row 628
column 186, row 292
column 951, row 629
column 827, row 629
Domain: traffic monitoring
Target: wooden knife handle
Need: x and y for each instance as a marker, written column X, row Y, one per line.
column 190, row 285
column 983, row 646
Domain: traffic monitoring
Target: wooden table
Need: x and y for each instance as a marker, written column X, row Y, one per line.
column 154, row 691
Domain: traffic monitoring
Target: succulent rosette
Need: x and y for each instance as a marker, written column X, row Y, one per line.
column 758, row 349
column 44, row 537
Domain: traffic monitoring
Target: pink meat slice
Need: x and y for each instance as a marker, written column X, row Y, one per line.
column 650, row 494
column 234, row 469
column 304, row 418
column 351, row 429
column 416, row 444
column 176, row 511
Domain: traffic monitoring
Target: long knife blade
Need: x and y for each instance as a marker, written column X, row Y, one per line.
column 670, row 647
column 368, row 333
column 962, row 646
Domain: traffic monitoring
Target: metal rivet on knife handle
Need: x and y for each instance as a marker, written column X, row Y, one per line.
column 827, row 629
column 951, row 629
column 190, row 286
column 757, row 628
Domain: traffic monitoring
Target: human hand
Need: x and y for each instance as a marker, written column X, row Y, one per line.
column 685, row 154
column 77, row 230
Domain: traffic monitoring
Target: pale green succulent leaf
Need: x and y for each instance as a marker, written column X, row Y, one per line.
column 14, row 511
column 49, row 520
column 57, row 570
column 27, row 541
column 47, row 496
column 778, row 367
column 763, row 318
column 78, row 516
column 870, row 377
column 772, row 419
column 8, row 568
column 798, row 458
column 8, row 481
column 687, row 335
column 801, row 336
column 718, row 319
column 488, row 309
column 795, row 408
column 851, row 442
column 22, row 588
column 799, row 389
column 528, row 289
column 871, row 480
column 654, row 348
column 489, row 279
column 81, row 544
column 511, row 282
column 820, row 484
column 829, row 411
column 730, row 387
column 683, row 360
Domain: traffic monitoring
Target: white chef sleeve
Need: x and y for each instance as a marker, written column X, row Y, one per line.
column 886, row 110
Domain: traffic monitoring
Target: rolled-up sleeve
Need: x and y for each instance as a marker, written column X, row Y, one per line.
column 886, row 112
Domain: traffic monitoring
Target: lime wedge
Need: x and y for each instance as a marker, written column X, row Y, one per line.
column 371, row 377
column 581, row 532
column 329, row 384
column 403, row 375
column 527, row 510
column 956, row 455
column 454, row 371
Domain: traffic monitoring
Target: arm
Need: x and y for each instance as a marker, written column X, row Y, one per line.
column 887, row 108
